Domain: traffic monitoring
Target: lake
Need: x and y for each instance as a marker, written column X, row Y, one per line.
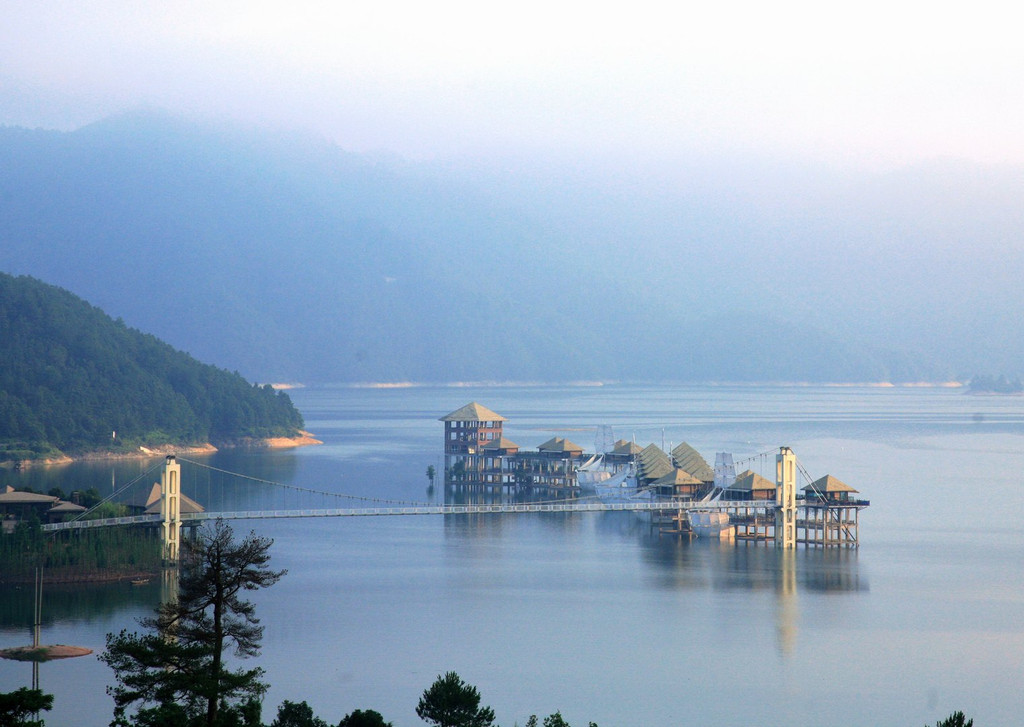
column 593, row 614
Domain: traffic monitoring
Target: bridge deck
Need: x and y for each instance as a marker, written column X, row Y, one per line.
column 498, row 509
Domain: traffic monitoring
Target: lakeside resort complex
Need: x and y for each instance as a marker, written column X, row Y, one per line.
column 677, row 491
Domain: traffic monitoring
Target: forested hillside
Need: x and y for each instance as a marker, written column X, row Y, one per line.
column 71, row 377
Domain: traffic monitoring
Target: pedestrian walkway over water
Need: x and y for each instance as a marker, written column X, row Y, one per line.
column 823, row 522
column 480, row 509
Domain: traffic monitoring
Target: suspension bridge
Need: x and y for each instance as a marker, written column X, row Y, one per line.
column 381, row 508
column 780, row 513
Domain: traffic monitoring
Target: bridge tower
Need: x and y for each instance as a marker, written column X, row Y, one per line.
column 785, row 498
column 170, row 510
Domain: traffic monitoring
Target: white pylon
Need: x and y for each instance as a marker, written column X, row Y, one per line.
column 785, row 498
column 170, row 509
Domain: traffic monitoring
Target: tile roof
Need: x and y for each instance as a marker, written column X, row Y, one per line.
column 828, row 483
column 689, row 459
column 559, row 444
column 472, row 412
column 676, row 477
column 749, row 481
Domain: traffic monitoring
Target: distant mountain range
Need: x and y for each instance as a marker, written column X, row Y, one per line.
column 287, row 259
column 74, row 381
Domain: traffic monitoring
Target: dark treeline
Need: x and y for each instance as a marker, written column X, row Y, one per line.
column 82, row 555
column 70, row 377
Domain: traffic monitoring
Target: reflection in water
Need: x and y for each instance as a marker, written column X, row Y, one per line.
column 723, row 565
column 683, row 564
column 74, row 602
column 213, row 489
column 788, row 609
column 168, row 585
column 749, row 566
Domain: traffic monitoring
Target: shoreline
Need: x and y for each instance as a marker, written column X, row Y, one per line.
column 74, row 576
column 304, row 439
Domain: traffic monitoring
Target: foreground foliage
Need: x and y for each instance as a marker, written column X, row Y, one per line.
column 957, row 719
column 291, row 714
column 363, row 718
column 450, row 702
column 17, row 707
column 176, row 671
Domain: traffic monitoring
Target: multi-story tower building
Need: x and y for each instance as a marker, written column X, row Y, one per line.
column 466, row 431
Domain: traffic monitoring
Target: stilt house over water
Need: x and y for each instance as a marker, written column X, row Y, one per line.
column 476, row 453
column 467, row 431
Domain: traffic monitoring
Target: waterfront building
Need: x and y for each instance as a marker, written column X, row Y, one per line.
column 553, row 465
column 689, row 459
column 152, row 506
column 829, row 513
column 750, row 486
column 499, row 462
column 829, row 489
column 678, row 484
column 651, row 464
column 752, row 523
column 466, row 431
column 477, row 454
column 623, row 453
column 17, row 505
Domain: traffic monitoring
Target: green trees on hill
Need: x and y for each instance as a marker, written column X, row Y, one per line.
column 74, row 380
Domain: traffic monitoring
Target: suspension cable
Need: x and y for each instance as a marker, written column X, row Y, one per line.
column 117, row 492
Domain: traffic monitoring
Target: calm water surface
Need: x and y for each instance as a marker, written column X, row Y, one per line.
column 592, row 614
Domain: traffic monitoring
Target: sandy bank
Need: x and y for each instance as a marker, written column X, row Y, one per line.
column 304, row 439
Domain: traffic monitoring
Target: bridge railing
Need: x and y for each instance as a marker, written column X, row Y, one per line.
column 101, row 522
column 469, row 509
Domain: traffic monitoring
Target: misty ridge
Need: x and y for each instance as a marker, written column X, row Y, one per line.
column 287, row 259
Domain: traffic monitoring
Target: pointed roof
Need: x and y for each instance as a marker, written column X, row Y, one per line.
column 676, row 477
column 653, row 463
column 20, row 497
column 559, row 444
column 500, row 443
column 63, row 506
column 828, row 483
column 153, row 503
column 749, row 481
column 472, row 412
column 142, row 500
column 626, row 447
column 689, row 459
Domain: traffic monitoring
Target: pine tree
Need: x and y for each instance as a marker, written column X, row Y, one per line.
column 176, row 670
column 450, row 702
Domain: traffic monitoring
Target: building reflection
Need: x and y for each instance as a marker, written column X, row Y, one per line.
column 741, row 566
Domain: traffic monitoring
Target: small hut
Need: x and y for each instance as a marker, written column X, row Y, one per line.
column 679, row 484
column 829, row 489
column 623, row 452
column 750, row 486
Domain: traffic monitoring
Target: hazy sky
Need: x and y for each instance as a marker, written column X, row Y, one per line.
column 870, row 83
